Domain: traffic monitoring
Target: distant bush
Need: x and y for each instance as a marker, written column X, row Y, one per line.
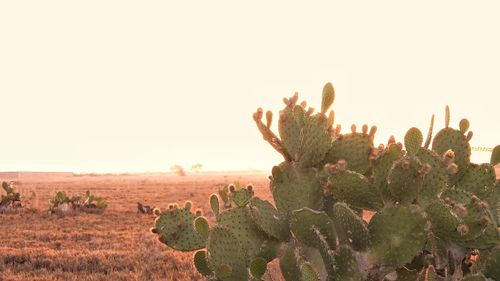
column 61, row 203
column 12, row 199
column 178, row 170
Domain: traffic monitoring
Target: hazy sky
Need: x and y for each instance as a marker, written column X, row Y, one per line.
column 114, row 86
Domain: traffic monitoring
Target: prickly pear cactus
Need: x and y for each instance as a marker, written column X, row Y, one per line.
column 61, row 203
column 11, row 200
column 436, row 215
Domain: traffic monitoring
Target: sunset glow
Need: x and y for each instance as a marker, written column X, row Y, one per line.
column 121, row 86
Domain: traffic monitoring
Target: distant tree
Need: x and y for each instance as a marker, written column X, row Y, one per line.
column 178, row 170
column 197, row 167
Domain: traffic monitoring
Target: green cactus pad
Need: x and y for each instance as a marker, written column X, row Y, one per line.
column 382, row 166
column 493, row 200
column 214, row 204
column 404, row 180
column 447, row 139
column 175, row 229
column 303, row 223
column 478, row 179
column 290, row 124
column 239, row 221
column 398, row 234
column 328, row 97
column 201, row 226
column 308, row 273
column 224, row 250
column 492, row 264
column 201, row 263
column 315, row 141
column 241, row 196
column 289, row 265
column 294, row 188
column 350, row 228
column 268, row 219
column 355, row 149
column 346, row 265
column 258, row 268
column 355, row 190
column 435, row 181
column 413, row 140
column 456, row 221
column 495, row 155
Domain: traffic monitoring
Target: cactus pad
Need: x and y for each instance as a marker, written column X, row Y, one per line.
column 478, row 179
column 224, row 251
column 398, row 234
column 355, row 190
column 346, row 265
column 413, row 140
column 201, row 263
column 304, row 222
column 383, row 165
column 355, row 149
column 175, row 228
column 350, row 228
column 294, row 188
column 268, row 219
column 449, row 138
column 239, row 221
column 405, row 180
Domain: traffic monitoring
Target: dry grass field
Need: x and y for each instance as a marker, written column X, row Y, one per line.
column 115, row 245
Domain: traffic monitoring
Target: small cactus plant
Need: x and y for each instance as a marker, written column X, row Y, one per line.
column 61, row 203
column 12, row 199
column 437, row 215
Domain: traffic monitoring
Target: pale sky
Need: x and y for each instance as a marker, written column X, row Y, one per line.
column 117, row 86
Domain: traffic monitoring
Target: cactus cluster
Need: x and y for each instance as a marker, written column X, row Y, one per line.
column 61, row 203
column 436, row 214
column 12, row 199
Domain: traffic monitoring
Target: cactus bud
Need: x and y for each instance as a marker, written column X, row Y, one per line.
column 269, row 118
column 198, row 212
column 447, row 117
column 464, row 125
column 294, row 98
column 156, row 211
column 331, row 118
column 250, row 187
column 460, row 210
column 474, row 199
column 303, row 104
column 187, row 205
column 484, row 221
column 154, row 230
column 426, row 168
column 392, row 140
column 405, row 164
column 452, row 169
column 232, row 188
column 341, row 165
column 353, row 128
column 338, row 128
column 310, row 111
column 469, row 135
column 364, row 129
column 463, row 229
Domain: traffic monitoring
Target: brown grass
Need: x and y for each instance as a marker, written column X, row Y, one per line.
column 115, row 245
